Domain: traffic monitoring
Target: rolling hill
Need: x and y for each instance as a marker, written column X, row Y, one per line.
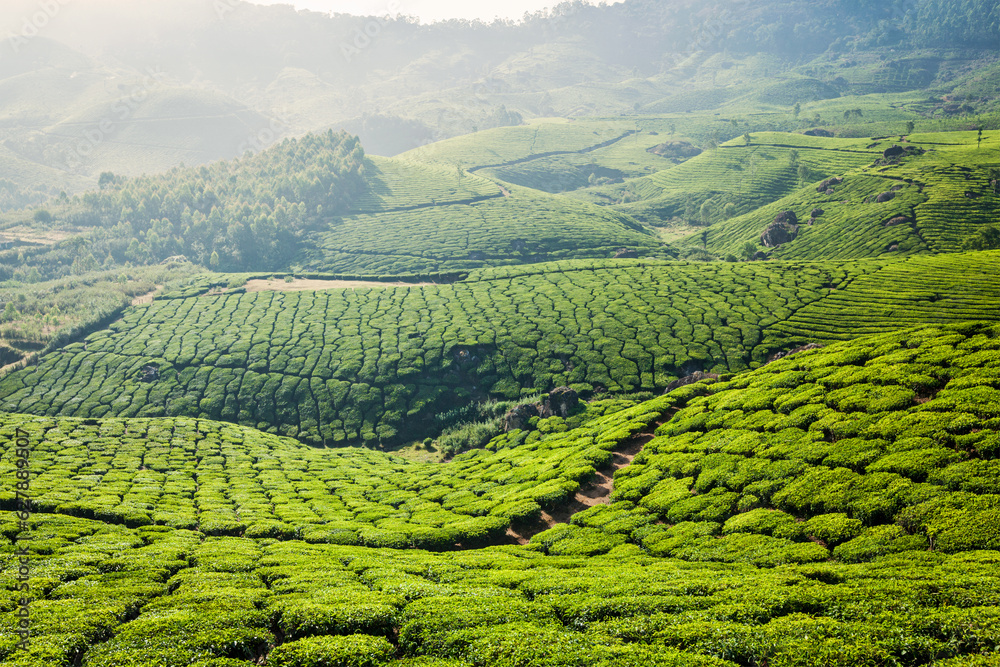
column 835, row 506
column 369, row 365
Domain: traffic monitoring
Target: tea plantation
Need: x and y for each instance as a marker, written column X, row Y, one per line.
column 835, row 507
column 341, row 367
column 929, row 202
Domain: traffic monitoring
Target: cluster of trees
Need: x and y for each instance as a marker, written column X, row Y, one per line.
column 246, row 214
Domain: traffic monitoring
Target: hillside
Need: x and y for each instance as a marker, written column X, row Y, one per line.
column 319, row 204
column 931, row 200
column 368, row 365
column 195, row 81
column 835, row 507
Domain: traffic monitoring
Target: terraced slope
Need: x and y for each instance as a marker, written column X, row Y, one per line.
column 374, row 365
column 864, row 448
column 748, row 176
column 431, row 230
column 506, row 145
column 938, row 200
column 223, row 479
column 836, row 507
column 343, row 366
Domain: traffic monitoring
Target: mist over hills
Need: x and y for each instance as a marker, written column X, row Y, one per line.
column 142, row 87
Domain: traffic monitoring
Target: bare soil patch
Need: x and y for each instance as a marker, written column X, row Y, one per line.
column 302, row 285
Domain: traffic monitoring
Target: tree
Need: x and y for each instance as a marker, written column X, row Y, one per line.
column 804, row 173
column 729, row 210
column 747, row 138
column 979, row 138
column 909, row 126
column 9, row 313
column 214, row 260
column 748, row 250
column 106, row 178
column 987, row 238
column 707, row 211
column 797, row 109
column 43, row 216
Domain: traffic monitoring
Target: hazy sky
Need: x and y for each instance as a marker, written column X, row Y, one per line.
column 427, row 10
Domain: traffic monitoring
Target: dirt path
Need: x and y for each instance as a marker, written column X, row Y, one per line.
column 597, row 491
column 146, row 298
column 302, row 285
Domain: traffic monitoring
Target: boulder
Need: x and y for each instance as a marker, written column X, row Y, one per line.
column 827, row 185
column 893, row 248
column 697, row 376
column 759, row 256
column 675, row 149
column 788, row 217
column 560, row 402
column 784, row 229
column 804, row 348
column 626, row 253
column 816, row 212
column 777, row 234
column 816, row 132
column 885, row 196
column 898, row 220
column 971, row 195
column 893, row 152
column 518, row 417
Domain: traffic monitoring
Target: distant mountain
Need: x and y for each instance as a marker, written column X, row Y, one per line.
column 199, row 80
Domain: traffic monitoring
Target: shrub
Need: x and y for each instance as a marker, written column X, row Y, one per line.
column 350, row 651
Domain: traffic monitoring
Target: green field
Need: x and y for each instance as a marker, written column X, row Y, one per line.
column 836, row 507
column 375, row 364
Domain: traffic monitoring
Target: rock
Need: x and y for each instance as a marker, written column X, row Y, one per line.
column 759, row 256
column 675, row 149
column 898, row 220
column 816, row 212
column 971, row 195
column 784, row 229
column 896, row 188
column 787, row 217
column 176, row 259
column 477, row 255
column 827, row 185
column 697, row 376
column 150, row 373
column 885, row 196
column 626, row 253
column 804, row 348
column 816, row 132
column 893, row 151
column 560, row 402
column 518, row 416
column 893, row 248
